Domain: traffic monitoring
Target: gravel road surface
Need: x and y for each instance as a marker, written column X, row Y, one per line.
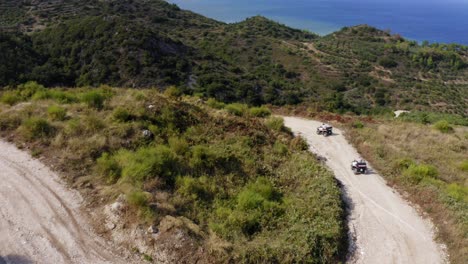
column 40, row 219
column 384, row 228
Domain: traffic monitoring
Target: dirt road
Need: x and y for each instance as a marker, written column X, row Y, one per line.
column 383, row 226
column 40, row 219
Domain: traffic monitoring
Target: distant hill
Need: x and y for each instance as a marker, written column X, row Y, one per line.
column 153, row 43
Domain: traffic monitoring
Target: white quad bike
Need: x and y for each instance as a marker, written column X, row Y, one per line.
column 325, row 130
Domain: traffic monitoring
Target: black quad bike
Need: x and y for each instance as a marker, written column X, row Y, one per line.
column 359, row 167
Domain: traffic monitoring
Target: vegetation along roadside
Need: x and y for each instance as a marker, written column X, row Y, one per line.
column 232, row 178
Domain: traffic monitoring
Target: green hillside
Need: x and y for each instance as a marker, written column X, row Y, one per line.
column 237, row 184
column 137, row 43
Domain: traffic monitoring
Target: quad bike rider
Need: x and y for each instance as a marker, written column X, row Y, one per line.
column 325, row 130
column 359, row 167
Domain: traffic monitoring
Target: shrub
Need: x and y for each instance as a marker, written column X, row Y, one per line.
column 8, row 122
column 443, row 126
column 457, row 192
column 280, row 148
column 196, row 188
column 173, row 92
column 138, row 198
column 93, row 99
column 404, row 163
column 256, row 193
column 432, row 117
column 34, row 128
column 358, row 125
column 58, row 96
column 215, row 104
column 121, row 115
column 92, row 123
column 262, row 111
column 236, row 109
column 202, row 158
column 28, row 89
column 255, row 207
column 108, row 168
column 178, row 145
column 463, row 165
column 275, row 123
column 147, row 163
column 417, row 173
column 56, row 112
column 299, row 143
column 73, row 127
column 10, row 97
column 388, row 62
column 148, row 258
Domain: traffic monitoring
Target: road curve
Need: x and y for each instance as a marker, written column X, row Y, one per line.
column 384, row 228
column 40, row 219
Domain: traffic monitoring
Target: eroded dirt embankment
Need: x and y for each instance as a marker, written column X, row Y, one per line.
column 384, row 228
column 40, row 219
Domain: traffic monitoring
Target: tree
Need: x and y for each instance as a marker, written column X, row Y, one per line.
column 430, row 62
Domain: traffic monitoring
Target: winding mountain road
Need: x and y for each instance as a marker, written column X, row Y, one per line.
column 384, row 228
column 40, row 219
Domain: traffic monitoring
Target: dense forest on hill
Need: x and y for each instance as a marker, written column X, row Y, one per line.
column 138, row 43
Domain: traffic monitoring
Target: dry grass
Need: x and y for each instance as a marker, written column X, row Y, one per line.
column 429, row 165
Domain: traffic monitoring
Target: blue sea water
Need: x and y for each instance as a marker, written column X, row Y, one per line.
column 444, row 21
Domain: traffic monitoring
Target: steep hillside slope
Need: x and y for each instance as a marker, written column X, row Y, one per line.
column 212, row 183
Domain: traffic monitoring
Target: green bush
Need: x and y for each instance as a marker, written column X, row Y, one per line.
column 28, row 89
column 404, row 163
column 255, row 207
column 388, row 62
column 121, row 115
column 178, row 145
column 56, row 113
column 215, row 104
column 196, row 188
column 173, row 92
column 137, row 198
column 417, row 173
column 463, row 165
column 56, row 95
column 257, row 195
column 432, row 117
column 275, row 123
column 443, row 126
column 92, row 123
column 299, row 143
column 10, row 97
column 9, row 122
column 108, row 168
column 457, row 192
column 358, row 125
column 74, row 127
column 93, row 99
column 141, row 200
column 262, row 111
column 147, row 163
column 202, row 158
column 34, row 128
column 280, row 148
column 236, row 109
